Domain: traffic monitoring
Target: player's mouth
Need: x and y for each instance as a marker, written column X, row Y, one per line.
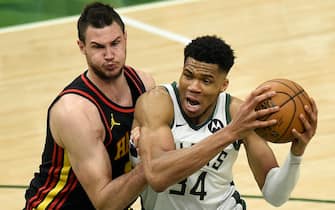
column 192, row 105
column 110, row 66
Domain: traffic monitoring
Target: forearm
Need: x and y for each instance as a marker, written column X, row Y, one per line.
column 120, row 192
column 170, row 167
column 280, row 181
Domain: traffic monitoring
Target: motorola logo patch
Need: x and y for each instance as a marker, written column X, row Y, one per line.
column 215, row 125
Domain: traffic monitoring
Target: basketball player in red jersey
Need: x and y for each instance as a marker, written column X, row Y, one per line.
column 85, row 162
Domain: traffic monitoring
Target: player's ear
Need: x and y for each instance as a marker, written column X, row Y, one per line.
column 224, row 84
column 81, row 46
column 125, row 35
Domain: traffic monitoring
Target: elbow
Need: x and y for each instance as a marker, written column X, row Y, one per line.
column 158, row 187
column 157, row 178
column 157, row 182
column 274, row 198
column 276, row 202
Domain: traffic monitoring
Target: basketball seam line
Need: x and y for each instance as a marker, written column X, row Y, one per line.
column 295, row 109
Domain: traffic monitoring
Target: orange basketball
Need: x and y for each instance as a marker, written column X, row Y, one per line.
column 291, row 98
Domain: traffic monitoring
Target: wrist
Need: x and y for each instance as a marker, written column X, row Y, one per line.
column 230, row 134
column 294, row 159
column 138, row 172
column 298, row 152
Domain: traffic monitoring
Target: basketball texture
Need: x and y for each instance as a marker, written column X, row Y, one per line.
column 291, row 98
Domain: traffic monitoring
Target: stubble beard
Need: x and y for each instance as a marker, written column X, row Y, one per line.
column 106, row 77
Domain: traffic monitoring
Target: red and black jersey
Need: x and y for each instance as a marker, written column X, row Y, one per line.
column 56, row 186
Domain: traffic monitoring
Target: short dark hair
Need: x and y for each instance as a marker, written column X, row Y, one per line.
column 98, row 15
column 210, row 49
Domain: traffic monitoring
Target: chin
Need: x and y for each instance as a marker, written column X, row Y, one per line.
column 191, row 114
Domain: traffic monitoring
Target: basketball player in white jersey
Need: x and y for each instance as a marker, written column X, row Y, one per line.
column 191, row 132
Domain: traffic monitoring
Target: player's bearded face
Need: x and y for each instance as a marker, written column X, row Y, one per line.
column 199, row 86
column 105, row 51
column 106, row 72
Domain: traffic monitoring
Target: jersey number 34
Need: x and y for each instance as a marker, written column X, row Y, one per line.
column 198, row 189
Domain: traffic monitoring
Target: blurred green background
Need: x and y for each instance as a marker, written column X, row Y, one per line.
column 15, row 12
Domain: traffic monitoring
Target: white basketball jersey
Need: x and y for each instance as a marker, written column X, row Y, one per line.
column 213, row 184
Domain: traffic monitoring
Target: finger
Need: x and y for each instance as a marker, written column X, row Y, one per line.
column 258, row 92
column 310, row 118
column 309, row 129
column 312, row 112
column 132, row 132
column 263, row 96
column 314, row 107
column 135, row 130
column 262, row 89
column 264, row 112
column 135, row 135
column 263, row 101
column 299, row 143
column 263, row 124
column 300, row 140
column 296, row 134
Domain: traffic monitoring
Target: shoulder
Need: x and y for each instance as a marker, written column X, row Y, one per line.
column 73, row 103
column 72, row 113
column 73, row 110
column 235, row 104
column 157, row 95
column 147, row 79
column 154, row 106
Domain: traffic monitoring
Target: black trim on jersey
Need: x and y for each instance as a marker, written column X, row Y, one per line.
column 236, row 144
column 187, row 119
column 136, row 81
column 239, row 200
column 173, row 119
column 135, row 84
column 101, row 95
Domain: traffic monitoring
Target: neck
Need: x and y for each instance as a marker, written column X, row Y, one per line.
column 116, row 89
